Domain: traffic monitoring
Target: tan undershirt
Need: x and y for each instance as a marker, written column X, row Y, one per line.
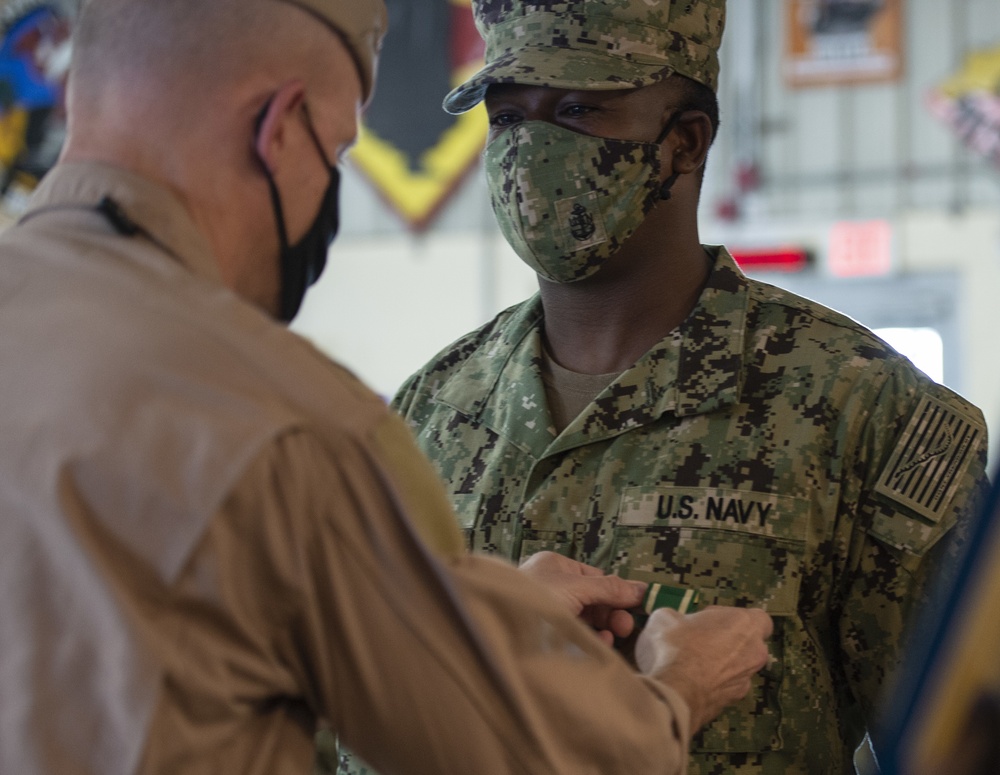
column 568, row 392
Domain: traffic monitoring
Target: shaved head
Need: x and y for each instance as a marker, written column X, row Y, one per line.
column 202, row 47
column 186, row 75
column 218, row 101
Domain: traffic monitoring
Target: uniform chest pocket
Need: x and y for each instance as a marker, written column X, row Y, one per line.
column 484, row 531
column 735, row 548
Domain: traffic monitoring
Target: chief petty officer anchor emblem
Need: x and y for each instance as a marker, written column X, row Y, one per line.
column 581, row 223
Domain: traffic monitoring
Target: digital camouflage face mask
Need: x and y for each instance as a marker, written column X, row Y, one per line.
column 565, row 201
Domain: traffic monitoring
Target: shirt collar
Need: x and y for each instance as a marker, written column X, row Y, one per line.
column 156, row 210
column 709, row 372
column 695, row 369
column 501, row 382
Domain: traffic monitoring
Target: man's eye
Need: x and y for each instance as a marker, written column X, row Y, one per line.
column 576, row 111
column 503, row 119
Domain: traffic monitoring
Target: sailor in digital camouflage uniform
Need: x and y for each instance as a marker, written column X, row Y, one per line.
column 656, row 413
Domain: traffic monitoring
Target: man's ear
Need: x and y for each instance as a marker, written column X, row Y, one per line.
column 274, row 122
column 694, row 132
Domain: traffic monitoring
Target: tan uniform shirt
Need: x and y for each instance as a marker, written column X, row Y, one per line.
column 213, row 537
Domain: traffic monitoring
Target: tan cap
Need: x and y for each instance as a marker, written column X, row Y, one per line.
column 361, row 23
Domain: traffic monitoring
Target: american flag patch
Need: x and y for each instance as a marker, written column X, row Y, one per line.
column 926, row 467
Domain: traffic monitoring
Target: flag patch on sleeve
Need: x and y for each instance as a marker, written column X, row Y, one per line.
column 932, row 453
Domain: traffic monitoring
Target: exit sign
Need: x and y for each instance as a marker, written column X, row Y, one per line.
column 860, row 249
column 782, row 259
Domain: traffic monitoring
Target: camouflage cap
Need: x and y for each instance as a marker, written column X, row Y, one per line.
column 593, row 44
column 362, row 25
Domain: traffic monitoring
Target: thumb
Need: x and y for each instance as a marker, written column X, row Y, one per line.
column 611, row 591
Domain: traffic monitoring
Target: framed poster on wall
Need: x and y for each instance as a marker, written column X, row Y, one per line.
column 843, row 42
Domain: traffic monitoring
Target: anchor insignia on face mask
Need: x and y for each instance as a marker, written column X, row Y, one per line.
column 581, row 223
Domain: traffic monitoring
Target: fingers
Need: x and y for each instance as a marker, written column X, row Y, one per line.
column 586, row 570
column 763, row 622
column 766, row 628
column 621, row 624
column 710, row 656
column 610, row 591
column 586, row 586
column 600, row 600
column 615, row 621
column 545, row 563
column 737, row 691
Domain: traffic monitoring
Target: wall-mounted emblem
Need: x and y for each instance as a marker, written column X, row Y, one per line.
column 413, row 152
column 969, row 103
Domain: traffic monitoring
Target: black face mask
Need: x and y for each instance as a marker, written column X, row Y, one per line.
column 301, row 264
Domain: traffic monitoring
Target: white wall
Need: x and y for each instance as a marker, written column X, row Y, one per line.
column 386, row 305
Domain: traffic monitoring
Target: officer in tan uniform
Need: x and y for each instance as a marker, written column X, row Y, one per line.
column 213, row 538
column 657, row 414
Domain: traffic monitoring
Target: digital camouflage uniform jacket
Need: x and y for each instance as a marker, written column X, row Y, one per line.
column 769, row 452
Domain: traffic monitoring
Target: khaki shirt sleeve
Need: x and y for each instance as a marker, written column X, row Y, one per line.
column 422, row 661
